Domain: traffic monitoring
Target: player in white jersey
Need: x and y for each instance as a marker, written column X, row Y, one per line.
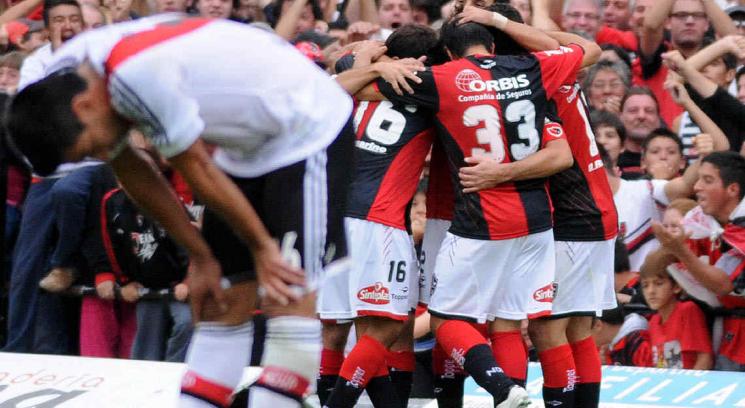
column 279, row 174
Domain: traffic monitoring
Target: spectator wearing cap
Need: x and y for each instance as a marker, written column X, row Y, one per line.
column 737, row 14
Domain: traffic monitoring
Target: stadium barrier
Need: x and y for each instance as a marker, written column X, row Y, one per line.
column 47, row 381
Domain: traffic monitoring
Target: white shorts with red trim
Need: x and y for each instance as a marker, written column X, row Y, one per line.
column 584, row 275
column 384, row 277
column 434, row 233
column 480, row 280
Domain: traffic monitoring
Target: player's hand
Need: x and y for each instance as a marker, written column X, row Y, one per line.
column 368, row 51
column 484, row 172
column 673, row 243
column 204, row 278
column 674, row 60
column 399, row 72
column 361, row 30
column 105, row 290
column 276, row 273
column 703, row 143
column 472, row 14
column 181, row 292
column 662, row 171
column 131, row 292
column 612, row 104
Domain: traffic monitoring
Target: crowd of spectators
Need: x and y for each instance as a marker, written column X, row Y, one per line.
column 89, row 274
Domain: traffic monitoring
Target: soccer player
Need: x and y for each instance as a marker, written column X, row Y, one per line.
column 278, row 179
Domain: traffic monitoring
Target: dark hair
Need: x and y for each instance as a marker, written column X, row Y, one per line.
column 275, row 11
column 600, row 118
column 41, row 123
column 50, row 4
column 731, row 168
column 662, row 132
column 621, row 261
column 622, row 54
column 503, row 43
column 459, row 37
column 411, row 41
column 739, row 73
column 614, row 316
column 640, row 90
column 432, row 8
column 605, row 157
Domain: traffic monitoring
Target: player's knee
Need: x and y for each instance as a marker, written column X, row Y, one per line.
column 546, row 333
column 240, row 300
column 304, row 307
column 579, row 328
column 335, row 335
column 383, row 329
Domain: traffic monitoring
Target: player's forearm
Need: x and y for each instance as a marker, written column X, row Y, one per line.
column 555, row 157
column 714, row 279
column 591, row 49
column 529, row 37
column 147, row 187
column 353, row 80
column 222, row 196
column 546, row 13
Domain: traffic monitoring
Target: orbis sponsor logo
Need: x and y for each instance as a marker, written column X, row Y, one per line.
column 376, row 294
column 469, row 80
column 545, row 294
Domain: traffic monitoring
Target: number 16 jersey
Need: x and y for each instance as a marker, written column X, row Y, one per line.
column 495, row 106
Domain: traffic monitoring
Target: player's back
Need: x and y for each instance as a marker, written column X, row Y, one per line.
column 581, row 195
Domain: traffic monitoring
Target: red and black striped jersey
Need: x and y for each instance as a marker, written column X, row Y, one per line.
column 440, row 196
column 582, row 198
column 392, row 142
column 494, row 105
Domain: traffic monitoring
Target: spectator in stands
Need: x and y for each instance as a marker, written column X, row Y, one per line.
column 93, row 16
column 617, row 14
column 740, row 85
column 678, row 332
column 640, row 114
column 524, row 8
column 623, row 338
column 606, row 83
column 662, row 155
column 27, row 35
column 121, row 10
column 214, row 8
column 10, row 66
column 609, row 132
column 170, row 6
column 737, row 14
column 719, row 191
column 688, row 21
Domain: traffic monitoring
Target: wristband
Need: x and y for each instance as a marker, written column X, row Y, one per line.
column 499, row 20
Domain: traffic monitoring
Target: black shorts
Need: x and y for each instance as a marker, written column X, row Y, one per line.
column 301, row 205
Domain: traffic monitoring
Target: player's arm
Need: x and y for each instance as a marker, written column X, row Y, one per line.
column 546, row 13
column 529, row 37
column 484, row 172
column 397, row 73
column 592, row 51
column 713, row 278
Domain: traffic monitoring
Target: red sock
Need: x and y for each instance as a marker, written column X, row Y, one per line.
column 511, row 353
column 364, row 362
column 457, row 337
column 442, row 364
column 558, row 367
column 331, row 361
column 483, row 329
column 401, row 360
column 587, row 359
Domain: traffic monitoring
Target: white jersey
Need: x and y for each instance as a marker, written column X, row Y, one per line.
column 250, row 93
column 639, row 202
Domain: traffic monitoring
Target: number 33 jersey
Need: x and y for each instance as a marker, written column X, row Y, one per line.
column 495, row 106
column 392, row 142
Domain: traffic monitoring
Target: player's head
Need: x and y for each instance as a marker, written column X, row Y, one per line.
column 663, row 148
column 609, row 132
column 63, row 16
column 659, row 288
column 721, row 184
column 413, row 41
column 64, row 118
column 503, row 43
column 460, row 40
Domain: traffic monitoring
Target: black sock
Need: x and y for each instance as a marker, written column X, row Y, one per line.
column 518, row 381
column 344, row 395
column 449, row 390
column 402, row 381
column 558, row 397
column 480, row 363
column 587, row 395
column 325, row 384
column 382, row 393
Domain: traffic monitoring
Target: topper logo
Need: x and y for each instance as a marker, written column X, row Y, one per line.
column 554, row 130
column 464, row 78
column 376, row 294
column 545, row 294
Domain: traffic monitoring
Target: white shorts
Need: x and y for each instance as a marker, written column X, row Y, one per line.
column 434, row 233
column 511, row 279
column 584, row 275
column 384, row 277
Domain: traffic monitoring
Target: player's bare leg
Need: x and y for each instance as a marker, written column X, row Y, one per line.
column 365, row 366
column 470, row 349
column 401, row 361
column 587, row 360
column 292, row 353
column 220, row 349
column 559, row 372
column 334, row 336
